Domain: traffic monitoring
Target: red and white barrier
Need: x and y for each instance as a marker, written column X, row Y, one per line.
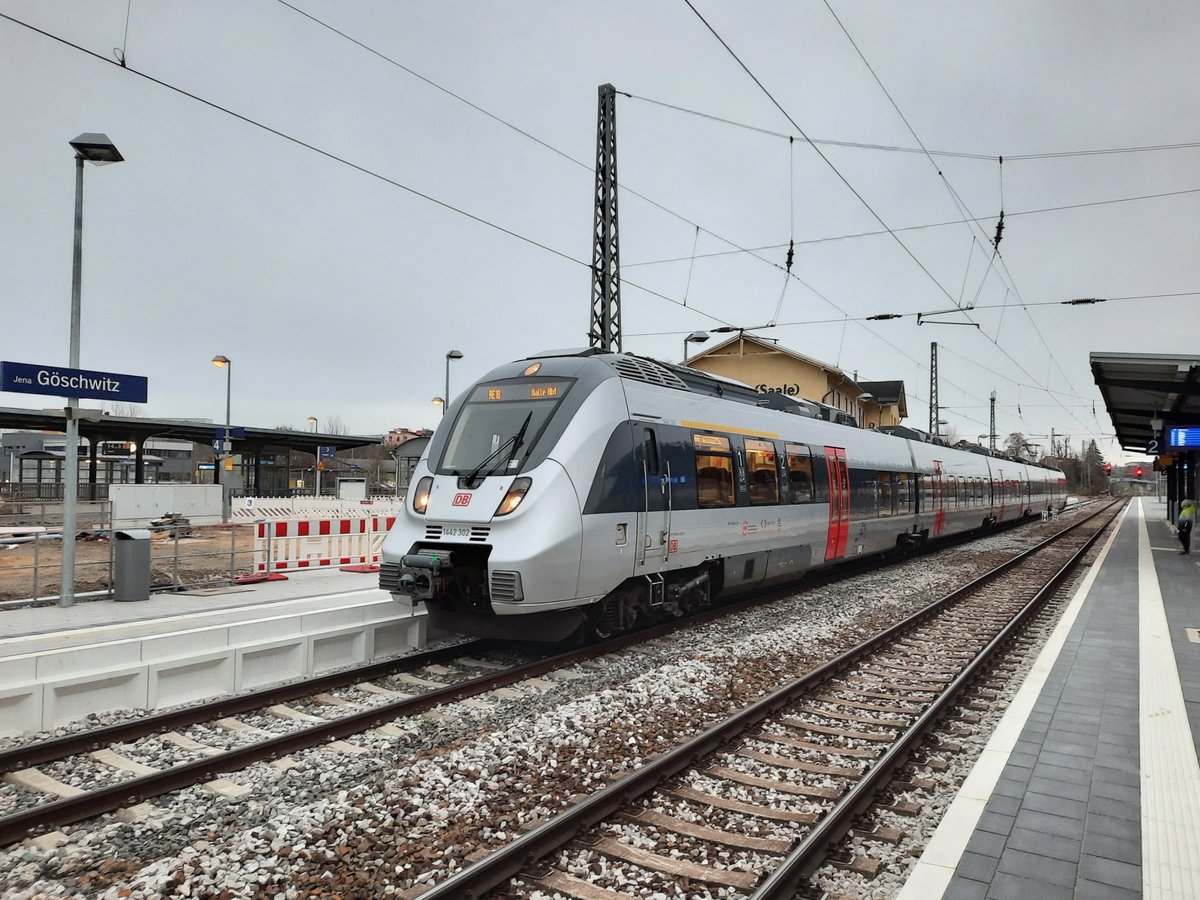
column 294, row 545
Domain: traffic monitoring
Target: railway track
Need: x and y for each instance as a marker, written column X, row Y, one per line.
column 131, row 782
column 750, row 806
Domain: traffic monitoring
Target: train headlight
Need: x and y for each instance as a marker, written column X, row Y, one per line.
column 421, row 495
column 515, row 495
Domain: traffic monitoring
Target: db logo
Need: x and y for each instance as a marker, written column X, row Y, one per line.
column 462, row 499
column 673, row 547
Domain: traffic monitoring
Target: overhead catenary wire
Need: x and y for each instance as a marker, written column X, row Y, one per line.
column 787, row 273
column 745, row 68
column 946, row 224
column 248, row 120
column 828, row 162
column 842, row 319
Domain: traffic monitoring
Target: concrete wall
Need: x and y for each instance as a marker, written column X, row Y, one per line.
column 134, row 505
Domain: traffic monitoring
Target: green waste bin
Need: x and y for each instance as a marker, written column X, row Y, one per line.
column 131, row 565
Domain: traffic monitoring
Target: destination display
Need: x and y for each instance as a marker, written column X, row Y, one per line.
column 59, row 381
column 522, row 390
column 1183, row 437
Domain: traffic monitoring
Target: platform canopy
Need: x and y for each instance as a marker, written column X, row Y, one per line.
column 1142, row 389
column 93, row 424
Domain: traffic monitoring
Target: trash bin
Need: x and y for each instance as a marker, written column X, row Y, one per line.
column 131, row 565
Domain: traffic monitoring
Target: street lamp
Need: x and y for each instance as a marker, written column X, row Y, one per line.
column 99, row 150
column 696, row 337
column 439, row 403
column 453, row 354
column 312, row 421
column 223, row 362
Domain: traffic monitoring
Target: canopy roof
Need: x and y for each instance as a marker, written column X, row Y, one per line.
column 96, row 425
column 1142, row 388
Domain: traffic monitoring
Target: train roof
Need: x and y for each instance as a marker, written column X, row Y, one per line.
column 664, row 374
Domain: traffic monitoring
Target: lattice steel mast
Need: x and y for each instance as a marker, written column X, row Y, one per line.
column 605, row 329
column 934, row 425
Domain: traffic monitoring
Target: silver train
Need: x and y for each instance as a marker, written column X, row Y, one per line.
column 581, row 492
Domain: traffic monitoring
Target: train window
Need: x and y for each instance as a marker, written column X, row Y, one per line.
column 763, row 473
column 650, row 452
column 800, row 473
column 885, row 497
column 714, row 470
column 903, row 494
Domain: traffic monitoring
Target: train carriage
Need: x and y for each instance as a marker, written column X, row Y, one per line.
column 585, row 491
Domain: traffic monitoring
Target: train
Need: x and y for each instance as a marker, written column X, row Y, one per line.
column 578, row 493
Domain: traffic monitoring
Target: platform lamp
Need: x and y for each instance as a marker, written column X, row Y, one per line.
column 223, row 362
column 453, row 354
column 696, row 337
column 98, row 150
column 312, row 423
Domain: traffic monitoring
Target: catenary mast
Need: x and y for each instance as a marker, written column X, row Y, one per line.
column 605, row 329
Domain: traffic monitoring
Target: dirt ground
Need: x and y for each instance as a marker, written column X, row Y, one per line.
column 204, row 557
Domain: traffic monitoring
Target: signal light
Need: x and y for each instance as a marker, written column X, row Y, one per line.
column 1108, row 468
column 1137, row 471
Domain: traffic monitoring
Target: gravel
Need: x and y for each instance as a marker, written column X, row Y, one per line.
column 468, row 777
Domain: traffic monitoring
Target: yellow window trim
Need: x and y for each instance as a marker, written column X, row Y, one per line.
column 709, row 426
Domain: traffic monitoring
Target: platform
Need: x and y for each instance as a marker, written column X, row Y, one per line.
column 59, row 664
column 1090, row 786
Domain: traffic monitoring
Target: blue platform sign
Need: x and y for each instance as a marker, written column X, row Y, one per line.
column 324, row 452
column 59, row 381
column 1183, row 437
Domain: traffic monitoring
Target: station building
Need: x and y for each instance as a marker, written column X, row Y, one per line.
column 773, row 369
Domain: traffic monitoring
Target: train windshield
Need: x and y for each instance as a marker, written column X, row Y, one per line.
column 500, row 424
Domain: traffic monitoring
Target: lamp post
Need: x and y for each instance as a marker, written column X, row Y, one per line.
column 99, row 150
column 696, row 337
column 312, row 422
column 439, row 403
column 223, row 362
column 453, row 354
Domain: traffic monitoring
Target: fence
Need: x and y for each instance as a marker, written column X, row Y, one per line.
column 181, row 558
column 264, row 536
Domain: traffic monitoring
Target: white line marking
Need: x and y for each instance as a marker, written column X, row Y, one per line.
column 1169, row 769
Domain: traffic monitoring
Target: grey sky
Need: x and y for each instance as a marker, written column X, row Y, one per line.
column 336, row 293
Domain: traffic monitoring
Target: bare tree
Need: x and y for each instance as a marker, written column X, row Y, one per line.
column 125, row 410
column 1018, row 445
column 335, row 425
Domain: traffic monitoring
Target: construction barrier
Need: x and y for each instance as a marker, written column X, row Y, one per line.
column 292, row 545
column 255, row 508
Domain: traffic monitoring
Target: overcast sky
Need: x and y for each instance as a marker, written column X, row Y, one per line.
column 336, row 288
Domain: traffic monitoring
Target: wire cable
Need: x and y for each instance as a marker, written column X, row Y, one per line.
column 341, row 160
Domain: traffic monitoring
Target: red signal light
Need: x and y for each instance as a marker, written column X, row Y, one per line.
column 1137, row 471
column 1108, row 468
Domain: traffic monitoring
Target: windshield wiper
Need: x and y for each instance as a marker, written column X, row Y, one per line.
column 516, row 441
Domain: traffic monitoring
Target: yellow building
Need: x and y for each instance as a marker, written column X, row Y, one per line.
column 770, row 368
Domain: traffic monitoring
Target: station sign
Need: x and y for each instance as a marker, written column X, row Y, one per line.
column 59, row 381
column 326, row 452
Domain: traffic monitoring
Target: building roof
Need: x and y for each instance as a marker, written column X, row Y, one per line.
column 1142, row 388
column 887, row 392
column 742, row 340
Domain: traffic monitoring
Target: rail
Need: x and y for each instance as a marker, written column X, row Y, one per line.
column 516, row 857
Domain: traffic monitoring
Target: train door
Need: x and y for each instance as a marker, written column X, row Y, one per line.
column 999, row 494
column 839, row 503
column 938, row 487
column 654, row 516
